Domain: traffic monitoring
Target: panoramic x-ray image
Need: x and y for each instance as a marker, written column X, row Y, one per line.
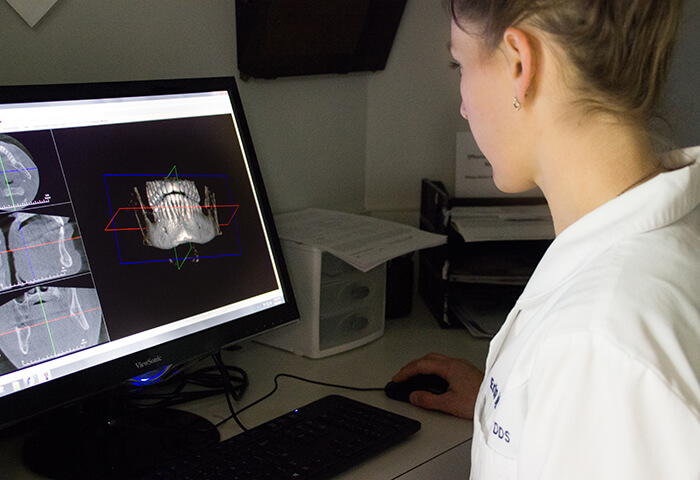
column 174, row 214
column 20, row 177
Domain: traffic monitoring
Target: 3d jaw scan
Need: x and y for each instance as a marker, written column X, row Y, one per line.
column 174, row 215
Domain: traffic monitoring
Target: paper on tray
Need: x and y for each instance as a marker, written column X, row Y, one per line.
column 363, row 242
column 512, row 222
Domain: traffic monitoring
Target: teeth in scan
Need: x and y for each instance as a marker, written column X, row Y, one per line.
column 30, row 308
column 20, row 177
column 16, row 164
column 177, row 214
column 66, row 259
column 13, row 191
column 76, row 311
column 23, row 335
column 45, row 321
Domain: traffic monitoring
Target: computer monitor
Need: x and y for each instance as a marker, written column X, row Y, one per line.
column 135, row 233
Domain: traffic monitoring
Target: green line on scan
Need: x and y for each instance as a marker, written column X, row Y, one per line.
column 181, row 263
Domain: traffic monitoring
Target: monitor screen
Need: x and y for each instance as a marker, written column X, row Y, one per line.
column 135, row 233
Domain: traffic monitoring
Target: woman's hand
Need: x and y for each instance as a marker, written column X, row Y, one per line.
column 464, row 381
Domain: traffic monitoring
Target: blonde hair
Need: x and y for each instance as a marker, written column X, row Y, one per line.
column 621, row 50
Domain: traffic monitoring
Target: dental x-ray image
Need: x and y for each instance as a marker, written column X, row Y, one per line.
column 48, row 321
column 48, row 303
column 43, row 248
column 20, row 176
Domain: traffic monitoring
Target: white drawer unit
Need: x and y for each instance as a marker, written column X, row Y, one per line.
column 340, row 307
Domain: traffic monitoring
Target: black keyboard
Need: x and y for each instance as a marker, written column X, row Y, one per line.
column 315, row 442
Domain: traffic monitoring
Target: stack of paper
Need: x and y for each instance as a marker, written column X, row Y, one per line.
column 489, row 274
column 482, row 308
column 363, row 242
column 512, row 222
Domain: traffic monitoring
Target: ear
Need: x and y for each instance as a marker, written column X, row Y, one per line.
column 521, row 58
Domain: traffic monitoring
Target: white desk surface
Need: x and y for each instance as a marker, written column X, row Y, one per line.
column 441, row 446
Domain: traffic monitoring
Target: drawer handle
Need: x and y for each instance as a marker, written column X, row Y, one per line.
column 358, row 292
column 354, row 323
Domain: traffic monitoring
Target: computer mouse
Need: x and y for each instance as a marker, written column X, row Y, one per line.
column 402, row 390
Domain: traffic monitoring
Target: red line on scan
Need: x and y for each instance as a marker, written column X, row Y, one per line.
column 50, row 321
column 111, row 221
column 232, row 215
column 40, row 245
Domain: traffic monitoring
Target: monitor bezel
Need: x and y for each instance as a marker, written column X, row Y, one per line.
column 65, row 390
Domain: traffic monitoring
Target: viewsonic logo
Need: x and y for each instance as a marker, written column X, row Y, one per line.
column 149, row 362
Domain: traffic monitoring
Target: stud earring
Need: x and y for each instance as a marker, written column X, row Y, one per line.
column 516, row 103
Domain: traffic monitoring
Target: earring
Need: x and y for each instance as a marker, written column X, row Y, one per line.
column 516, row 103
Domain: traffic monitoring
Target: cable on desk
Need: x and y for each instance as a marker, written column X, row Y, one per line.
column 213, row 380
column 228, row 390
column 170, row 391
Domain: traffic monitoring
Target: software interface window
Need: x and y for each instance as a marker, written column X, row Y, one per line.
column 101, row 202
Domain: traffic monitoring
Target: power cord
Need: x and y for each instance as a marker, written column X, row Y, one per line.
column 228, row 390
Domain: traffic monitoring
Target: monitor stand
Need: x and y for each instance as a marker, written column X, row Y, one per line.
column 103, row 438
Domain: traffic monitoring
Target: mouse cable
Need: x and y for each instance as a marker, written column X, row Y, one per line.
column 228, row 390
column 295, row 377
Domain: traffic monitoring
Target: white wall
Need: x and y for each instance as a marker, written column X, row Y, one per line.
column 309, row 135
column 682, row 110
column 413, row 112
column 105, row 40
column 352, row 142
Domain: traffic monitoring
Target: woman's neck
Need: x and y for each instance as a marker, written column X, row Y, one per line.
column 584, row 167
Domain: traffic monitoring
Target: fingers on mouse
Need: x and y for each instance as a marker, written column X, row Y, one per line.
column 402, row 390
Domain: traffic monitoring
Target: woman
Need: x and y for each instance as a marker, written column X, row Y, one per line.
column 596, row 371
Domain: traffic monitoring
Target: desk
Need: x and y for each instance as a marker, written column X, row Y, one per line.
column 442, row 445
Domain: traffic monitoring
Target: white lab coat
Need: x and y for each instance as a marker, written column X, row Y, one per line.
column 596, row 372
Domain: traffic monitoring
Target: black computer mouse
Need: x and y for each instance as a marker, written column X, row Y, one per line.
column 429, row 383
